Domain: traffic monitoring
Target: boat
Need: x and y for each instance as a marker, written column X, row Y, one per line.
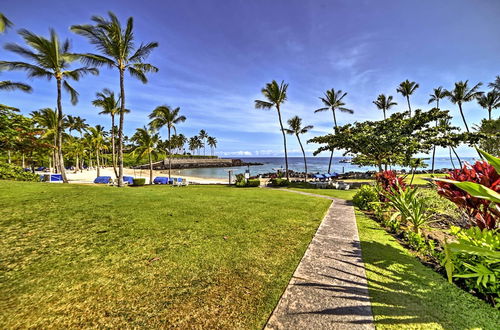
column 345, row 161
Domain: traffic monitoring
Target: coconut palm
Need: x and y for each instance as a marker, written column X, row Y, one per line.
column 333, row 101
column 489, row 101
column 275, row 96
column 384, row 103
column 116, row 45
column 295, row 128
column 495, row 84
column 212, row 143
column 461, row 94
column 437, row 94
column 406, row 88
column 165, row 116
column 203, row 136
column 194, row 143
column 97, row 136
column 77, row 123
column 46, row 120
column 49, row 58
column 146, row 145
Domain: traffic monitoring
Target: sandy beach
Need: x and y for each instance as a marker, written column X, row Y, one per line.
column 88, row 176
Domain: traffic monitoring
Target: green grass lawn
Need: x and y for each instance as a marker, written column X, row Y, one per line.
column 99, row 256
column 406, row 294
column 418, row 179
column 342, row 194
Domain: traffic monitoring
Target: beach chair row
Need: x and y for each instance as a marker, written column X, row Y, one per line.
column 330, row 185
column 170, row 181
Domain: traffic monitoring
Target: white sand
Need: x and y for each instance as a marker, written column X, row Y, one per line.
column 88, row 176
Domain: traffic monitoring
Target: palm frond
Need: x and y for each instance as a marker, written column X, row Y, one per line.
column 4, row 23
column 78, row 73
column 73, row 93
column 32, row 70
column 143, row 52
column 137, row 73
column 96, row 60
column 12, row 86
column 263, row 104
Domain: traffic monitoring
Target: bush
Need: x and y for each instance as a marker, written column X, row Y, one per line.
column 279, row 182
column 388, row 182
column 366, row 195
column 17, row 173
column 139, row 182
column 249, row 183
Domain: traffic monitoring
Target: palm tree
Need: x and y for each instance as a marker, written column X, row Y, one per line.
column 212, row 142
column 165, row 116
column 437, row 94
column 495, row 84
column 406, row 88
column 462, row 93
column 118, row 51
column 194, row 143
column 203, row 136
column 147, row 143
column 4, row 23
column 489, row 101
column 295, row 128
column 333, row 101
column 384, row 103
column 97, row 135
column 46, row 119
column 49, row 59
column 275, row 96
column 77, row 123
column 109, row 104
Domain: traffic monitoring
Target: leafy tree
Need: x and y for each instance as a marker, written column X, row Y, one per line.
column 333, row 101
column 461, row 94
column 407, row 88
column 117, row 48
column 165, row 116
column 146, row 145
column 275, row 96
column 212, row 143
column 384, row 103
column 47, row 120
column 295, row 128
column 437, row 94
column 49, row 58
column 489, row 131
column 489, row 101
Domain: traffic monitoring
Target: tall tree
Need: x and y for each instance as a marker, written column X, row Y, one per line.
column 461, row 94
column 117, row 48
column 489, row 101
column 212, row 143
column 203, row 136
column 275, row 96
column 97, row 135
column 295, row 128
column 109, row 103
column 437, row 94
column 333, row 101
column 146, row 145
column 165, row 116
column 406, row 88
column 495, row 84
column 384, row 103
column 46, row 119
column 49, row 59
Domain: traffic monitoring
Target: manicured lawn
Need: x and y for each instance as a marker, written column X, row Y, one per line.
column 418, row 179
column 95, row 256
column 342, row 194
column 406, row 294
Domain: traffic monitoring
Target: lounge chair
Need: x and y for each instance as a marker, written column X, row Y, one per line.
column 128, row 179
column 103, row 180
column 160, row 180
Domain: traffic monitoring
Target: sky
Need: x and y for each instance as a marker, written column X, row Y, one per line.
column 214, row 57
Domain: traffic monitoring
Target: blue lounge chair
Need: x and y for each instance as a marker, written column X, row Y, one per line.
column 103, row 180
column 128, row 179
column 39, row 169
column 160, row 180
column 55, row 177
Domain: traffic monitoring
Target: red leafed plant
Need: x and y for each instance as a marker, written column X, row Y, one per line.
column 389, row 181
column 477, row 208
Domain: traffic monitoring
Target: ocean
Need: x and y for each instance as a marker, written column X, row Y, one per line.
column 314, row 165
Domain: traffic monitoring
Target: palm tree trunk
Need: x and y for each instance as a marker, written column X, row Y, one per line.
column 120, row 130
column 98, row 163
column 451, row 159
column 151, row 170
column 458, row 158
column 303, row 154
column 22, row 157
column 463, row 117
column 169, row 154
column 331, row 154
column 9, row 160
column 409, row 107
column 113, row 149
column 384, row 114
column 489, row 113
column 433, row 158
column 284, row 142
column 60, row 132
column 77, row 163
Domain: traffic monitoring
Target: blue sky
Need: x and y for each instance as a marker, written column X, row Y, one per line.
column 215, row 56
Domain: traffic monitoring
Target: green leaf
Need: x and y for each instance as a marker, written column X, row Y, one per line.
column 471, row 249
column 476, row 190
column 494, row 161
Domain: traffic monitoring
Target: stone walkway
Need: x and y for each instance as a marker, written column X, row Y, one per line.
column 328, row 289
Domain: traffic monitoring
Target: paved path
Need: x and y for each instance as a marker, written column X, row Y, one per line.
column 328, row 289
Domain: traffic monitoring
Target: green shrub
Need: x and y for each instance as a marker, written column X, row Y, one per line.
column 279, row 182
column 249, row 183
column 17, row 173
column 139, row 182
column 365, row 195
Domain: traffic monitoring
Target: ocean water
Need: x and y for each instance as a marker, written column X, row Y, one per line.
column 314, row 165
